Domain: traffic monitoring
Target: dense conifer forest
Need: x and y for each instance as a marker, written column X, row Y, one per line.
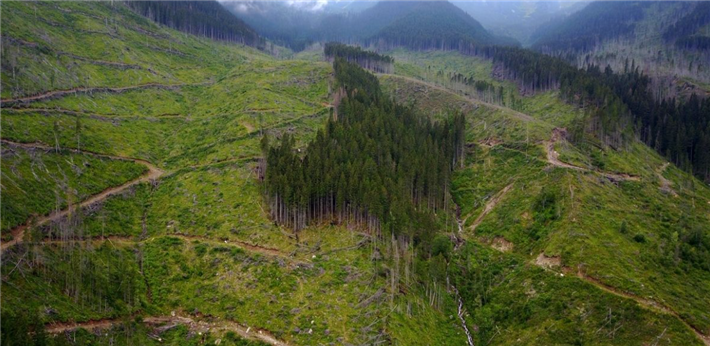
column 432, row 25
column 201, row 18
column 685, row 31
column 364, row 58
column 535, row 72
column 678, row 129
column 378, row 166
column 621, row 106
column 615, row 118
column 587, row 28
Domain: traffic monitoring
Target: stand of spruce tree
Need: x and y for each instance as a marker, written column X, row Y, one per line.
column 365, row 58
column 685, row 32
column 200, row 18
column 377, row 166
column 621, row 107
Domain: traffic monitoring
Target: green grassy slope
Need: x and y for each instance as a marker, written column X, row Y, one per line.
column 198, row 240
column 36, row 182
column 49, row 46
column 581, row 228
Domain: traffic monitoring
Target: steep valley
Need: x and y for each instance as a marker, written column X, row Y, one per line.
column 133, row 211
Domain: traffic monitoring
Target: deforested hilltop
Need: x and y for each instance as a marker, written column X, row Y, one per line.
column 132, row 203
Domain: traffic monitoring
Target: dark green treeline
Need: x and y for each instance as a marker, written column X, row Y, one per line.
column 199, row 18
column 378, row 165
column 364, row 58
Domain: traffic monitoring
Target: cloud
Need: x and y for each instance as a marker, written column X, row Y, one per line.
column 254, row 5
column 309, row 5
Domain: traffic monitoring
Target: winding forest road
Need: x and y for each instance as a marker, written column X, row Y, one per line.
column 107, row 117
column 18, row 232
column 521, row 116
column 84, row 90
column 162, row 323
column 647, row 303
column 553, row 159
column 490, row 205
column 132, row 240
column 665, row 183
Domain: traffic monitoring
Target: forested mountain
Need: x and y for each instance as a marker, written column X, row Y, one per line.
column 433, row 25
column 598, row 22
column 201, row 18
column 583, row 30
column 664, row 39
column 424, row 24
column 285, row 25
column 693, row 30
column 297, row 27
column 518, row 20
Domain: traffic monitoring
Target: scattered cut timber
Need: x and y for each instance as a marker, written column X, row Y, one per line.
column 19, row 231
column 550, row 263
column 553, row 159
column 490, row 205
column 86, row 90
column 520, row 115
column 162, row 323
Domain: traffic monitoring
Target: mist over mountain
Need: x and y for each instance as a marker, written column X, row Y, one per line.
column 664, row 40
column 518, row 19
column 297, row 23
column 297, row 26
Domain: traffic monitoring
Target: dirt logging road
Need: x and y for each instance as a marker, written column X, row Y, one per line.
column 18, row 232
column 163, row 323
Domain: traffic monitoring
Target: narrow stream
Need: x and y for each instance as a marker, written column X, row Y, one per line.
column 458, row 296
column 460, row 314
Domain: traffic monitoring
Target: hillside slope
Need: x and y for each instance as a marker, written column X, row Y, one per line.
column 518, row 19
column 625, row 222
column 434, row 25
column 663, row 39
column 166, row 256
column 135, row 152
column 200, row 18
column 597, row 22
